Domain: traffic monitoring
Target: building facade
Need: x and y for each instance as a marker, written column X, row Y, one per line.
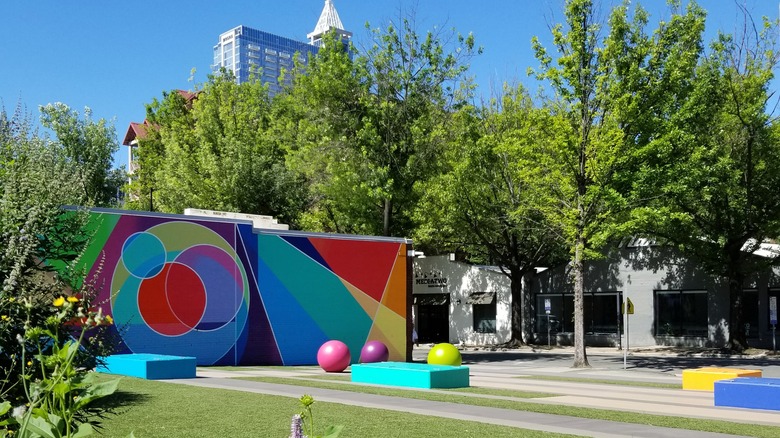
column 674, row 302
column 460, row 303
column 252, row 53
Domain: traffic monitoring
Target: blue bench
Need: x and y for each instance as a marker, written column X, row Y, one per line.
column 413, row 375
column 748, row 392
column 149, row 366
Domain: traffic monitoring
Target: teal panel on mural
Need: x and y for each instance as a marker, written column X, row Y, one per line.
column 320, row 293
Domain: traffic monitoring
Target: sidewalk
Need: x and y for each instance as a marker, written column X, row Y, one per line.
column 510, row 375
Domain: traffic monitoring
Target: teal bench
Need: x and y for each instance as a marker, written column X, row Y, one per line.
column 409, row 374
column 149, row 366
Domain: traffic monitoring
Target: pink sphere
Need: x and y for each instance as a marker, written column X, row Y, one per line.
column 374, row 351
column 333, row 356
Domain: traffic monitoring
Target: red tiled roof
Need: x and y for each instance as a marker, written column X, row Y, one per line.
column 135, row 130
column 139, row 130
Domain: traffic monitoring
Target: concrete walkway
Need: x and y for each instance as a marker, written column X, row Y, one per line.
column 519, row 376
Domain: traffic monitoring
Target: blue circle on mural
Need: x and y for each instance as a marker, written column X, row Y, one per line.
column 143, row 255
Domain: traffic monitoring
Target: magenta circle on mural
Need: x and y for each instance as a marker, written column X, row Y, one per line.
column 221, row 277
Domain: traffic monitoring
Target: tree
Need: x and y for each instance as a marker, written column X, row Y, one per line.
column 485, row 203
column 217, row 152
column 37, row 177
column 720, row 172
column 90, row 145
column 380, row 119
column 604, row 92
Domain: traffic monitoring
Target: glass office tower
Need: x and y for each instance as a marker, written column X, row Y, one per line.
column 250, row 52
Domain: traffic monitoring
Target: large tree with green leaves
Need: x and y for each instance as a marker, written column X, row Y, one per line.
column 716, row 166
column 601, row 89
column 217, row 152
column 379, row 121
column 90, row 145
column 485, row 204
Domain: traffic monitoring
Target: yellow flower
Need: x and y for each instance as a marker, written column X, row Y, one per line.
column 109, row 319
column 4, row 317
column 73, row 300
column 29, row 363
column 59, row 302
column 11, row 299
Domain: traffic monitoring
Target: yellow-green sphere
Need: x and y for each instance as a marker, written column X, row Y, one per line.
column 444, row 354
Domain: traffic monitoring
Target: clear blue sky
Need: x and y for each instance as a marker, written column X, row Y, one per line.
column 117, row 56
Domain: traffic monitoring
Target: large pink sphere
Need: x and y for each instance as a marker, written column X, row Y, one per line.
column 374, row 351
column 333, row 356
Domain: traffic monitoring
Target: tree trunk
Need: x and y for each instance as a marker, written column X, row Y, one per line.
column 737, row 333
column 516, row 287
column 386, row 217
column 580, row 357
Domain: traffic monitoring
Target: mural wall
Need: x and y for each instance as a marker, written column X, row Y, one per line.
column 229, row 294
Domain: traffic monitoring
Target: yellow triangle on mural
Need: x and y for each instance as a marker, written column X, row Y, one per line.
column 368, row 304
column 391, row 330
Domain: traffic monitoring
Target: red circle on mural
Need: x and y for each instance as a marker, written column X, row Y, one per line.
column 173, row 301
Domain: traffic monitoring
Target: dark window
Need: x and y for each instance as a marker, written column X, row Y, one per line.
column 602, row 312
column 750, row 312
column 681, row 313
column 485, row 317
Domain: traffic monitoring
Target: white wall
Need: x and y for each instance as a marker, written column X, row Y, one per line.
column 460, row 280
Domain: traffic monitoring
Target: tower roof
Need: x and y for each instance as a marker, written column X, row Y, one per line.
column 329, row 19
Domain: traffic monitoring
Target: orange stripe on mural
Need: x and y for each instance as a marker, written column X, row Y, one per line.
column 395, row 295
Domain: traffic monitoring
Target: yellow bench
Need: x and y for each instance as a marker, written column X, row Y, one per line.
column 703, row 379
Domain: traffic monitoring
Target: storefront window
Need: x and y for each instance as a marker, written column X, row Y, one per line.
column 681, row 313
column 601, row 311
column 750, row 312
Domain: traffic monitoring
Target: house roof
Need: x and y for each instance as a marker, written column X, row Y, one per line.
column 140, row 130
column 135, row 131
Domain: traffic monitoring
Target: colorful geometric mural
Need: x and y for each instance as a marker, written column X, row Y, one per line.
column 228, row 294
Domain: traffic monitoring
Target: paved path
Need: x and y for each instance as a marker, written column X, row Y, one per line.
column 518, row 374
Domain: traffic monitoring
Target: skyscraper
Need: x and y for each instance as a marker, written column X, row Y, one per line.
column 249, row 52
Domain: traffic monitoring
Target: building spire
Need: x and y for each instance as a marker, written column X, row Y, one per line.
column 329, row 20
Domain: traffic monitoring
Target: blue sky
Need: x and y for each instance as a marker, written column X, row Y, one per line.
column 117, row 56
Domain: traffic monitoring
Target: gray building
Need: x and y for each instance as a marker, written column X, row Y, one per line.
column 674, row 302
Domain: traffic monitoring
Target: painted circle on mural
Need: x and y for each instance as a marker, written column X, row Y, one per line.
column 222, row 279
column 143, row 254
column 172, row 303
column 178, row 289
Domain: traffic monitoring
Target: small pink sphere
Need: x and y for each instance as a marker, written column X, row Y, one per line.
column 374, row 351
column 333, row 356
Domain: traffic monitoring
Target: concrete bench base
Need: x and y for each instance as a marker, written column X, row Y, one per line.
column 413, row 375
column 149, row 366
column 703, row 379
column 748, row 392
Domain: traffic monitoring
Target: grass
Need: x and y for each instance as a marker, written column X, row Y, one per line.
column 471, row 390
column 698, row 424
column 604, row 381
column 159, row 409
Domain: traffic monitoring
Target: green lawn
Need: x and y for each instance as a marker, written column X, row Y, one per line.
column 159, row 409
column 515, row 402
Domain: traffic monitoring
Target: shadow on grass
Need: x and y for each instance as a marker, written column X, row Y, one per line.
column 111, row 406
